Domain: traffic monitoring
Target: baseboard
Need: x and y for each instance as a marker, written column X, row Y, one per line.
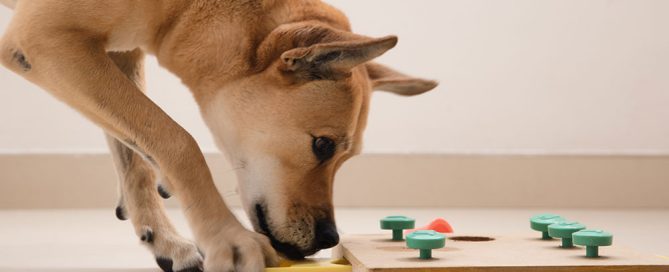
column 29, row 181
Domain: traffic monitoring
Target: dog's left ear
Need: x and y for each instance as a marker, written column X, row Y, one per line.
column 334, row 59
column 387, row 79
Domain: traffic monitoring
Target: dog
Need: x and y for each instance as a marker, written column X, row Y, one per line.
column 283, row 85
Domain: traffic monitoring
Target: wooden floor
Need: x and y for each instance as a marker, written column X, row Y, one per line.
column 94, row 240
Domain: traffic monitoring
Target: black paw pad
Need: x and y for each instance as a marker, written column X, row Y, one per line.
column 147, row 236
column 164, row 263
column 191, row 269
column 163, row 192
column 120, row 213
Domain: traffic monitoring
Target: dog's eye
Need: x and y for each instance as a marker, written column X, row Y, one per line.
column 324, row 148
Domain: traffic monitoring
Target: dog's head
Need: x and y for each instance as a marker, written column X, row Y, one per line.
column 288, row 127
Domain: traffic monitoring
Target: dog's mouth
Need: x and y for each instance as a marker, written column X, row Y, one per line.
column 289, row 250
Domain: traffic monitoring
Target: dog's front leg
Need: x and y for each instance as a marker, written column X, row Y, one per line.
column 138, row 196
column 140, row 202
column 73, row 66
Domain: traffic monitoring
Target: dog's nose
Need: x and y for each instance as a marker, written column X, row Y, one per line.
column 326, row 234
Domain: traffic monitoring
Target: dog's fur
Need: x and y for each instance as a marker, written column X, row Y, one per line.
column 283, row 85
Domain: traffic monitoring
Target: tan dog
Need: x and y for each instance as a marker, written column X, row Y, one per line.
column 283, row 85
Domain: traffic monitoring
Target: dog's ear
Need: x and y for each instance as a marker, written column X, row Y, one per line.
column 334, row 59
column 387, row 79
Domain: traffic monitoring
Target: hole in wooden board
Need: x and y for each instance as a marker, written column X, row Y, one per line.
column 471, row 238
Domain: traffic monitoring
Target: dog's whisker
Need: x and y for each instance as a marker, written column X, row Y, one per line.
column 230, row 193
column 233, row 169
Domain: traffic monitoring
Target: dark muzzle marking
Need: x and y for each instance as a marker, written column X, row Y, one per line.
column 287, row 249
column 20, row 58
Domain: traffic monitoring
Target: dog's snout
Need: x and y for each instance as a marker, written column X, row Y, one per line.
column 326, row 234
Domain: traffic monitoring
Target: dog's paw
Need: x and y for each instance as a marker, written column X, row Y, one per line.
column 238, row 249
column 173, row 252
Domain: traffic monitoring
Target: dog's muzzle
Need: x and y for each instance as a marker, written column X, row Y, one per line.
column 325, row 230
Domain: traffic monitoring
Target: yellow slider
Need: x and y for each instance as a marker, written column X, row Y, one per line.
column 316, row 265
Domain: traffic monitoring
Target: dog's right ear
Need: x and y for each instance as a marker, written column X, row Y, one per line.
column 335, row 59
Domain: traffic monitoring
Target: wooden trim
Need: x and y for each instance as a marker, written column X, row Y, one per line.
column 380, row 180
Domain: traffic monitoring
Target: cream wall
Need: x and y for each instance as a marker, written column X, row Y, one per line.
column 550, row 76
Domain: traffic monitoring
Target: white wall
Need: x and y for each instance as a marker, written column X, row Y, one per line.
column 517, row 76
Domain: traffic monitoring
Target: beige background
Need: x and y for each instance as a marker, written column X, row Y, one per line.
column 39, row 181
column 520, row 76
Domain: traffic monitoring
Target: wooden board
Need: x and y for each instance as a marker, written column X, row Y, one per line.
column 504, row 254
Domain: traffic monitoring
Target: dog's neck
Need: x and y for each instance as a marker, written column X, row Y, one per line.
column 232, row 38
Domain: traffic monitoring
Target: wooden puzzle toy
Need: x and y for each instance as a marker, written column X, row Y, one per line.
column 521, row 252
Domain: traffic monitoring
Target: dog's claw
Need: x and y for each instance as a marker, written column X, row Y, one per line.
column 147, row 235
column 163, row 192
column 120, row 213
column 166, row 265
column 191, row 269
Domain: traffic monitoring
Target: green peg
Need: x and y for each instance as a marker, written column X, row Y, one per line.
column 425, row 241
column 592, row 240
column 540, row 223
column 397, row 223
column 564, row 230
